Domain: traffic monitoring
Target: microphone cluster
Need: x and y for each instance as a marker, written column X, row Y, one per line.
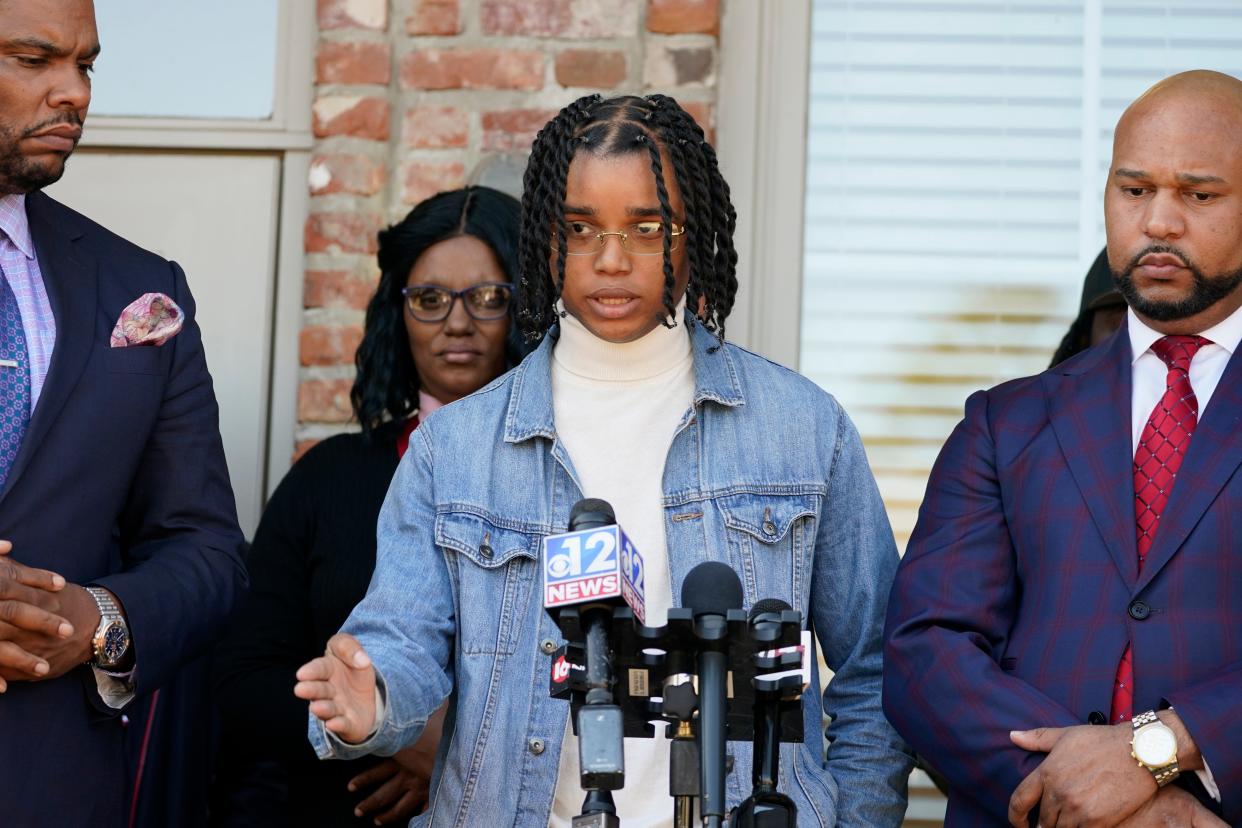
column 713, row 672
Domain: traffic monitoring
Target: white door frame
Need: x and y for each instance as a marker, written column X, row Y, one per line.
column 762, row 123
column 287, row 132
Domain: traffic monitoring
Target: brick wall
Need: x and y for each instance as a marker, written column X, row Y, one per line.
column 411, row 96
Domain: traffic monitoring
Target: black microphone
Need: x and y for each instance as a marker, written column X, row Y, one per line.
column 711, row 589
column 766, row 807
column 569, row 580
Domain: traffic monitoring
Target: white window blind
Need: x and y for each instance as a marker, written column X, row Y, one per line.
column 956, row 155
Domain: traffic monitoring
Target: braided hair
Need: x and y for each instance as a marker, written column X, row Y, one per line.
column 655, row 125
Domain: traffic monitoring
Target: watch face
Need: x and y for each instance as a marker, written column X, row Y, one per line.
column 115, row 643
column 1155, row 746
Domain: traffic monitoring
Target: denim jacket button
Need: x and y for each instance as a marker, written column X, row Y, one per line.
column 536, row 746
column 548, row 646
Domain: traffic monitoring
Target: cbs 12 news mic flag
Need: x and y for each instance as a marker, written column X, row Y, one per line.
column 591, row 566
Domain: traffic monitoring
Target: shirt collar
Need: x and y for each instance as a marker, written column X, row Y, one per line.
column 14, row 223
column 1227, row 333
column 529, row 412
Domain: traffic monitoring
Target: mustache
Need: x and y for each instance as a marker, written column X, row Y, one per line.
column 1166, row 249
column 70, row 118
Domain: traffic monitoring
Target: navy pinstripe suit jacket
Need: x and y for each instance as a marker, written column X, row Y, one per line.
column 120, row 481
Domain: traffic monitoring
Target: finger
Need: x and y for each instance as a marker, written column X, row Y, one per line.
column 1024, row 798
column 11, row 589
column 4, row 686
column 381, row 797
column 317, row 669
column 346, row 729
column 373, row 776
column 314, row 690
column 408, row 805
column 1050, row 814
column 5, row 547
column 19, row 662
column 37, row 578
column 34, row 619
column 326, row 709
column 346, row 648
column 1039, row 740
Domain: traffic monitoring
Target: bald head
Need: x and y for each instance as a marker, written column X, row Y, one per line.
column 1198, row 93
column 1173, row 202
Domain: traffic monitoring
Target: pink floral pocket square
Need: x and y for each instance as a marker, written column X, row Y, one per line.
column 151, row 319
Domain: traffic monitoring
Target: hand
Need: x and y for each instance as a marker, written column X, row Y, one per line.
column 1088, row 778
column 340, row 686
column 32, row 626
column 408, row 782
column 1174, row 808
column 64, row 654
column 402, row 792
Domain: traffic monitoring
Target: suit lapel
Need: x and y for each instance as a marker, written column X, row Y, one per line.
column 1213, row 456
column 1089, row 406
column 70, row 278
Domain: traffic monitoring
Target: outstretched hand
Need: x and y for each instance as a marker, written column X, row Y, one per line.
column 340, row 686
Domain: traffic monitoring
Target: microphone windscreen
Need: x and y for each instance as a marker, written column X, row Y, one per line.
column 711, row 587
column 591, row 513
column 765, row 605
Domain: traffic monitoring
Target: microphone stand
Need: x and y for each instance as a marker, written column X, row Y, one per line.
column 598, row 811
column 766, row 807
column 713, row 673
column 680, row 702
column 600, row 728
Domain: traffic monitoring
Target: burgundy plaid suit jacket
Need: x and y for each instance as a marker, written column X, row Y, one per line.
column 1020, row 585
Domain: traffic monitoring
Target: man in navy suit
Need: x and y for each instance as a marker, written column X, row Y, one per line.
column 120, row 555
column 1064, row 636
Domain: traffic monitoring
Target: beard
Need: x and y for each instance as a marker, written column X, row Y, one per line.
column 18, row 174
column 1207, row 290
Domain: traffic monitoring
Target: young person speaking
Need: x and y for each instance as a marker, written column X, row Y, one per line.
column 706, row 451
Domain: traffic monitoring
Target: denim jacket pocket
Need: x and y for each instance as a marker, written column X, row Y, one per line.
column 495, row 571
column 771, row 541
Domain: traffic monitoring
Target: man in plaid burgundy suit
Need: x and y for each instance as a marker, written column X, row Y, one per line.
column 1064, row 636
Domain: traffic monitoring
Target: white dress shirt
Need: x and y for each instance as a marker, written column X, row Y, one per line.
column 1150, row 371
column 1150, row 374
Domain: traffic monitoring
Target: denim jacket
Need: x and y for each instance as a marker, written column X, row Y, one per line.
column 765, row 473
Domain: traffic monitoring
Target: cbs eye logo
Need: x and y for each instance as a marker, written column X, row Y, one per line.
column 559, row 565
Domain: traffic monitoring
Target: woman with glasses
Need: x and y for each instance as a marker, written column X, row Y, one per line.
column 438, row 328
column 706, row 451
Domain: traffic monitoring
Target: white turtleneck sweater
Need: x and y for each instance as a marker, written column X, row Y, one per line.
column 617, row 407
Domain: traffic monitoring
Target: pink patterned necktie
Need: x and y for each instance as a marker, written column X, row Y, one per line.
column 1160, row 451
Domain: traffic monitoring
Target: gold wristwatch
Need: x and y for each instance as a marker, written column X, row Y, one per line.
column 1154, row 746
column 110, row 643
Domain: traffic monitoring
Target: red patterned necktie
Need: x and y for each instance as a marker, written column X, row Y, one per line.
column 1160, row 451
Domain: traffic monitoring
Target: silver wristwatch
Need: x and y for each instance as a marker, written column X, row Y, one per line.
column 111, row 641
column 1154, row 747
